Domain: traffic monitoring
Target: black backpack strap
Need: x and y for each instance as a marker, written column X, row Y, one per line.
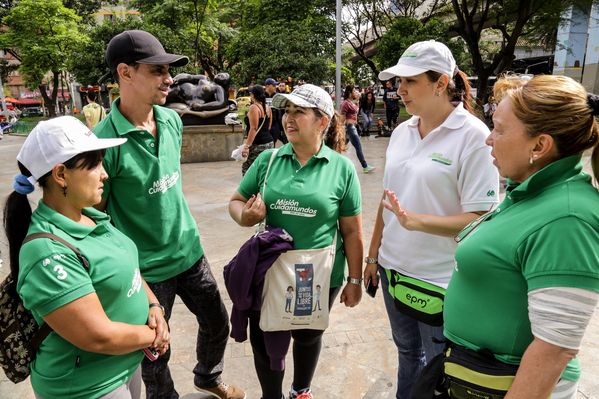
column 81, row 258
column 45, row 329
column 40, row 336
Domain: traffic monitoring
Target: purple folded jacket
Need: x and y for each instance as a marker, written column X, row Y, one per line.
column 244, row 280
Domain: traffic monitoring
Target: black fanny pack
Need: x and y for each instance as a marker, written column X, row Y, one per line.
column 416, row 298
column 476, row 374
column 461, row 373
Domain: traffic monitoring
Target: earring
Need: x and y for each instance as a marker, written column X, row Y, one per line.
column 437, row 94
column 64, row 191
column 532, row 159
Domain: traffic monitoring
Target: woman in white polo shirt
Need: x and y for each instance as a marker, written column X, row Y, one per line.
column 439, row 176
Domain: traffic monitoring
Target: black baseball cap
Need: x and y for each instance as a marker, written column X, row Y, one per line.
column 142, row 47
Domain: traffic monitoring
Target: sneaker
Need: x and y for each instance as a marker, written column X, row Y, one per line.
column 223, row 391
column 306, row 394
column 368, row 169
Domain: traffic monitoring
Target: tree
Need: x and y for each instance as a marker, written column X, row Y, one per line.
column 406, row 31
column 511, row 19
column 281, row 49
column 198, row 28
column 87, row 62
column 281, row 38
column 85, row 8
column 367, row 21
column 42, row 33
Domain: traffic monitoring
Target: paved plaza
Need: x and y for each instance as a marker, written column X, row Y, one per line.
column 358, row 358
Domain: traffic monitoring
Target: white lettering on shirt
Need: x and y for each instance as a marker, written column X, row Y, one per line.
column 164, row 183
column 292, row 207
column 60, row 272
column 135, row 283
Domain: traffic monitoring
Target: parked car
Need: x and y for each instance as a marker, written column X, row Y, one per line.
column 32, row 111
column 243, row 97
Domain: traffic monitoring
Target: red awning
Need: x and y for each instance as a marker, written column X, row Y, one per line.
column 27, row 101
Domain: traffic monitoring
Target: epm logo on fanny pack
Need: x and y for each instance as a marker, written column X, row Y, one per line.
column 414, row 300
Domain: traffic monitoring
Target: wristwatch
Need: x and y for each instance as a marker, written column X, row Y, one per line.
column 371, row 261
column 157, row 305
column 353, row 280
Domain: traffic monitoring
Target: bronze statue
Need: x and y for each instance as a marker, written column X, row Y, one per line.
column 198, row 100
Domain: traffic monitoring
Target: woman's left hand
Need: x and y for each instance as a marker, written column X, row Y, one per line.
column 157, row 322
column 351, row 294
column 407, row 219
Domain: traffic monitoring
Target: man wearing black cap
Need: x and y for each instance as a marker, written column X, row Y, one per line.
column 276, row 130
column 144, row 197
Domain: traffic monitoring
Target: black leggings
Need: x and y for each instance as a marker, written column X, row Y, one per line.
column 306, row 350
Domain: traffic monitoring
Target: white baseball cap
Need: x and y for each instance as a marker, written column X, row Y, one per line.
column 307, row 96
column 56, row 141
column 420, row 57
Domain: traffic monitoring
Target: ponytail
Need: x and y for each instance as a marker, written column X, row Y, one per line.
column 334, row 137
column 17, row 217
column 458, row 88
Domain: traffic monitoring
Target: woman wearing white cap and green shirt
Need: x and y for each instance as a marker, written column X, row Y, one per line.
column 321, row 185
column 439, row 176
column 102, row 316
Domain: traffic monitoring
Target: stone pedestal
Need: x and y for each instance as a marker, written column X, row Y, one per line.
column 209, row 143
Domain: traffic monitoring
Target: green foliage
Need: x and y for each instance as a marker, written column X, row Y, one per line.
column 282, row 49
column 197, row 28
column 258, row 12
column 89, row 65
column 85, row 8
column 406, row 31
column 281, row 38
column 43, row 34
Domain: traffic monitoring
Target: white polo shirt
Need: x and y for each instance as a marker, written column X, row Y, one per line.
column 448, row 172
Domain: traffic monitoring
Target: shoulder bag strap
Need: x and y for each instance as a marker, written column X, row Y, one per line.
column 45, row 329
column 81, row 258
column 262, row 224
column 262, row 124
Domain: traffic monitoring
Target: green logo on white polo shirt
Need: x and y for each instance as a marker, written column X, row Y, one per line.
column 490, row 193
column 164, row 183
column 438, row 157
column 292, row 207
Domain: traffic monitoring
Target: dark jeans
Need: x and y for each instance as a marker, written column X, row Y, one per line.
column 417, row 343
column 306, row 350
column 392, row 115
column 354, row 138
column 198, row 290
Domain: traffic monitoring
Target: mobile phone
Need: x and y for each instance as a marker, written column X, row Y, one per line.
column 151, row 353
column 371, row 288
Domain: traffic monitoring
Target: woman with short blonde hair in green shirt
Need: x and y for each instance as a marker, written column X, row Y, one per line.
column 313, row 193
column 102, row 317
column 526, row 279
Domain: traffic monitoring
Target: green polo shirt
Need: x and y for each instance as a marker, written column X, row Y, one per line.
column 544, row 234
column 307, row 201
column 144, row 193
column 51, row 276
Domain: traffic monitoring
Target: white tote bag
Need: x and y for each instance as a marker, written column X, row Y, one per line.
column 296, row 287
